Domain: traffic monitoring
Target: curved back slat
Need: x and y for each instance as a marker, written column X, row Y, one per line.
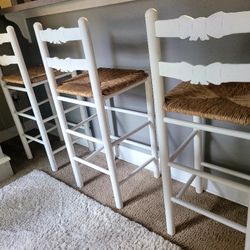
column 61, row 35
column 4, row 38
column 217, row 25
column 67, row 64
column 215, row 73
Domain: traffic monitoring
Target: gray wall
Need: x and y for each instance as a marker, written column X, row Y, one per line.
column 119, row 38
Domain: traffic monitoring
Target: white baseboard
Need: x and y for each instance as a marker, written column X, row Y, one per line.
column 12, row 131
column 138, row 158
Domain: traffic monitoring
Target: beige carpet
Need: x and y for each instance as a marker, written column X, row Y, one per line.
column 143, row 201
column 39, row 212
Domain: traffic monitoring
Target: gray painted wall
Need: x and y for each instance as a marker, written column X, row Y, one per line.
column 119, row 38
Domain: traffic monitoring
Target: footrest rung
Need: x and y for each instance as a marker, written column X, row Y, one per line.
column 31, row 139
column 137, row 170
column 185, row 187
column 210, row 215
column 83, row 136
column 31, row 117
column 91, row 165
column 122, row 138
column 56, row 151
column 49, row 118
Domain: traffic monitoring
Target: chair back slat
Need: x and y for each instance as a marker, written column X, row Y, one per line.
column 8, row 60
column 67, row 64
column 4, row 38
column 61, row 35
column 217, row 25
column 215, row 73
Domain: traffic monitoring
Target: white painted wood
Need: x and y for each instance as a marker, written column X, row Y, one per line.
column 137, row 170
column 158, row 90
column 58, row 105
column 16, row 119
column 215, row 73
column 209, row 128
column 217, row 25
column 67, row 64
column 7, row 60
column 247, row 240
column 99, row 103
column 198, row 155
column 137, row 158
column 210, row 215
column 17, row 58
column 185, row 187
column 4, row 38
column 152, row 128
column 183, row 145
column 61, row 35
column 227, row 182
column 226, row 170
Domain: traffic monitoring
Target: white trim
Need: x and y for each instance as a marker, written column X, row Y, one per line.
column 12, row 131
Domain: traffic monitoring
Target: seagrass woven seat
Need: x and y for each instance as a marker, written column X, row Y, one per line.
column 36, row 74
column 111, row 80
column 227, row 102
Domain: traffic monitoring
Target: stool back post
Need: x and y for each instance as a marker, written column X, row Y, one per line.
column 194, row 78
column 158, row 91
column 30, row 92
column 99, row 102
column 59, row 108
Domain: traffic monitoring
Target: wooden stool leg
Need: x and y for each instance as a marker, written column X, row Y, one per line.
column 16, row 120
column 112, row 121
column 103, row 121
column 247, row 240
column 166, row 178
column 41, row 126
column 198, row 156
column 52, row 105
column 84, row 116
column 152, row 129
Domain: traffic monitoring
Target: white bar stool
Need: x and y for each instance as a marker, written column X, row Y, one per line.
column 26, row 81
column 217, row 91
column 101, row 85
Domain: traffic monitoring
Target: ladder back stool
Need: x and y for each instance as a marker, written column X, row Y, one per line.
column 26, row 80
column 216, row 91
column 99, row 85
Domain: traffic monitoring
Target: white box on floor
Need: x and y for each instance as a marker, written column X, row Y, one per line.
column 5, row 168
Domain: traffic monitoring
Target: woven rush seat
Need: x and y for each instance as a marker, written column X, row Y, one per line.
column 36, row 74
column 226, row 102
column 111, row 81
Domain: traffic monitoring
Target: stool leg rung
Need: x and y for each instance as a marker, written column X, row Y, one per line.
column 31, row 117
column 21, row 89
column 210, row 215
column 137, row 170
column 183, row 145
column 130, row 133
column 31, row 139
column 94, row 153
column 80, row 124
column 91, row 165
column 185, row 187
column 83, row 136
